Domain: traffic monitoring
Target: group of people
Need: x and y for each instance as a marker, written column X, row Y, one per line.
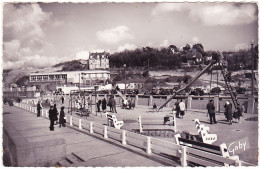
column 104, row 103
column 53, row 115
column 179, row 107
column 228, row 112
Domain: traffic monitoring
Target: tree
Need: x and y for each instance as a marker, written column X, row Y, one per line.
column 186, row 48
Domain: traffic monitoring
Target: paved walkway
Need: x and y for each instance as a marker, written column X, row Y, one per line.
column 94, row 152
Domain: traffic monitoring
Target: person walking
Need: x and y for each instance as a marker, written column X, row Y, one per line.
column 52, row 117
column 39, row 107
column 177, row 108
column 113, row 103
column 182, row 108
column 211, row 111
column 228, row 111
column 104, row 105
column 62, row 120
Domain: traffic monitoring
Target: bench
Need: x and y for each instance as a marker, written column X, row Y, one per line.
column 167, row 118
column 113, row 122
column 208, row 148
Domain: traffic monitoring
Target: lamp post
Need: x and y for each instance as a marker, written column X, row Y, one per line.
column 252, row 76
column 125, row 77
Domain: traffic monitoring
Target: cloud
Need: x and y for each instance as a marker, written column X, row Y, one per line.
column 82, row 55
column 168, row 7
column 24, row 36
column 126, row 47
column 114, row 35
column 224, row 14
column 212, row 14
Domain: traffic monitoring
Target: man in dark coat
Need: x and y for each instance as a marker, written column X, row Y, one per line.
column 104, row 105
column 39, row 107
column 62, row 121
column 52, row 117
column 211, row 111
column 177, row 108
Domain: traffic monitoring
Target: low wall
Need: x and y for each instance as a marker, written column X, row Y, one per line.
column 22, row 153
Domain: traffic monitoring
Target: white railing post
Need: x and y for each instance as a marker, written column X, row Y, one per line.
column 140, row 124
column 91, row 127
column 80, row 127
column 30, row 108
column 238, row 163
column 46, row 113
column 123, row 137
column 175, row 123
column 105, row 132
column 71, row 121
column 183, row 156
column 148, row 146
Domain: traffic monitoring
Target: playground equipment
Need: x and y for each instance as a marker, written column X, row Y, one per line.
column 78, row 102
column 113, row 122
column 217, row 59
column 204, row 133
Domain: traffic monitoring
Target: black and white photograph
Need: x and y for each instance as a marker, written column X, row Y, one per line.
column 130, row 84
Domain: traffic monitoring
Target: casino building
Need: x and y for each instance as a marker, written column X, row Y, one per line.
column 71, row 77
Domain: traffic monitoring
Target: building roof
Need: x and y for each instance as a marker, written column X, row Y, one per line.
column 68, row 72
column 100, row 54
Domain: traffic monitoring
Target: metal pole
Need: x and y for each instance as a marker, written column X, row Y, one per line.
column 252, row 78
column 125, row 77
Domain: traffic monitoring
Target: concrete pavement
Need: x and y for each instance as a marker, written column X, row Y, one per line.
column 90, row 150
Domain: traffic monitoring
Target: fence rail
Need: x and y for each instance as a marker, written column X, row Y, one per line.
column 151, row 145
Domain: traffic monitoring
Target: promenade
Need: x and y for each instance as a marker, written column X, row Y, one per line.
column 86, row 150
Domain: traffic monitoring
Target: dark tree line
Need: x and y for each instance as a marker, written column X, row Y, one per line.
column 155, row 58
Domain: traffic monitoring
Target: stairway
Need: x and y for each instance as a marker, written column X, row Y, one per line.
column 70, row 160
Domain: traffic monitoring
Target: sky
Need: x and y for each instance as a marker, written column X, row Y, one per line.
column 44, row 34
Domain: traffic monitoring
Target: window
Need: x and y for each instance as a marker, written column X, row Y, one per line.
column 39, row 78
column 45, row 77
column 63, row 76
column 33, row 78
column 57, row 77
column 51, row 77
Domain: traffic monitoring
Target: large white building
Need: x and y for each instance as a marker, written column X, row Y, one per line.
column 83, row 77
column 98, row 61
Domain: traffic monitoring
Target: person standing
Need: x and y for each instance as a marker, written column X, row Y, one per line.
column 56, row 113
column 110, row 103
column 104, row 105
column 113, row 103
column 39, row 107
column 238, row 113
column 62, row 100
column 52, row 117
column 177, row 108
column 182, row 108
column 62, row 121
column 211, row 111
column 228, row 111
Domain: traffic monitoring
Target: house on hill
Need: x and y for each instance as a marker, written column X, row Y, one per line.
column 98, row 60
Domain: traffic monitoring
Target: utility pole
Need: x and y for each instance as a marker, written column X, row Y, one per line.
column 79, row 81
column 125, row 77
column 252, row 71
